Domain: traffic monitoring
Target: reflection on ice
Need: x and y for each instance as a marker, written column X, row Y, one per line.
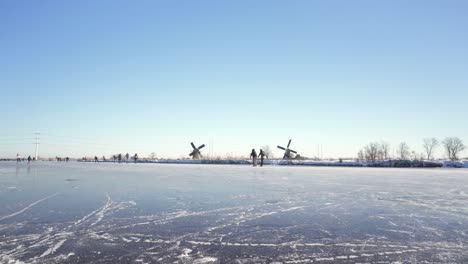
column 110, row 213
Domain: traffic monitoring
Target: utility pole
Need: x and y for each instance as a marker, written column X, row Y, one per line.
column 36, row 137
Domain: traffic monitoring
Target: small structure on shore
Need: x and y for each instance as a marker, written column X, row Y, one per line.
column 288, row 152
column 196, row 154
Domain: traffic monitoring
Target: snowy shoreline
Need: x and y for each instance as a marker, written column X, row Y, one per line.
column 344, row 163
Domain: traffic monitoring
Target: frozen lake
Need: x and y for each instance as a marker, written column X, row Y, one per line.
column 148, row 213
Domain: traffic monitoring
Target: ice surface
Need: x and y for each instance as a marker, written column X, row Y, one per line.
column 172, row 213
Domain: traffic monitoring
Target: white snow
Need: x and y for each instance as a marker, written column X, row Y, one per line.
column 205, row 260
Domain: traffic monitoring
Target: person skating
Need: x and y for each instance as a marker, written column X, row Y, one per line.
column 29, row 159
column 262, row 155
column 18, row 158
column 253, row 155
column 119, row 157
column 127, row 156
column 135, row 157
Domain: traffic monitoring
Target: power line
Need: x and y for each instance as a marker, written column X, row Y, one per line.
column 15, row 143
column 78, row 145
column 15, row 140
column 64, row 142
column 82, row 141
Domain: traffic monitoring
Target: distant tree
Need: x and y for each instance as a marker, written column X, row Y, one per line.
column 371, row 151
column 152, row 155
column 403, row 151
column 430, row 145
column 360, row 156
column 380, row 154
column 422, row 156
column 453, row 146
column 229, row 156
column 384, row 150
column 268, row 152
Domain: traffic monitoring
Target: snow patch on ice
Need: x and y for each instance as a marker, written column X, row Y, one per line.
column 205, row 260
column 185, row 253
column 10, row 260
column 54, row 248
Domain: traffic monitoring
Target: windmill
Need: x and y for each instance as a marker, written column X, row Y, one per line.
column 287, row 151
column 196, row 151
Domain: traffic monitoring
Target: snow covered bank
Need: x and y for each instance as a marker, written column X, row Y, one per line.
column 323, row 163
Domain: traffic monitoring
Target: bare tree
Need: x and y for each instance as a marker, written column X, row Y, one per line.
column 380, row 154
column 374, row 151
column 422, row 156
column 453, row 146
column 403, row 151
column 371, row 151
column 429, row 145
column 267, row 150
column 360, row 156
column 152, row 155
column 384, row 150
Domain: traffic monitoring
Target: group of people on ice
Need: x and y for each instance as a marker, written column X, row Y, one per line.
column 67, row 159
column 254, row 156
column 19, row 159
column 119, row 157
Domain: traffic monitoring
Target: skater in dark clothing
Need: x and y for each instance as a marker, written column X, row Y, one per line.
column 119, row 157
column 18, row 158
column 262, row 155
column 29, row 159
column 253, row 155
column 127, row 156
column 96, row 159
column 135, row 157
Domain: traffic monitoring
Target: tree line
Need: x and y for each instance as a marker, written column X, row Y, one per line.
column 379, row 151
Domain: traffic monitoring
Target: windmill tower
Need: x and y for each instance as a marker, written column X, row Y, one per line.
column 196, row 154
column 288, row 151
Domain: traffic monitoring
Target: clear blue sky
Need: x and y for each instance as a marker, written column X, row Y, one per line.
column 100, row 77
